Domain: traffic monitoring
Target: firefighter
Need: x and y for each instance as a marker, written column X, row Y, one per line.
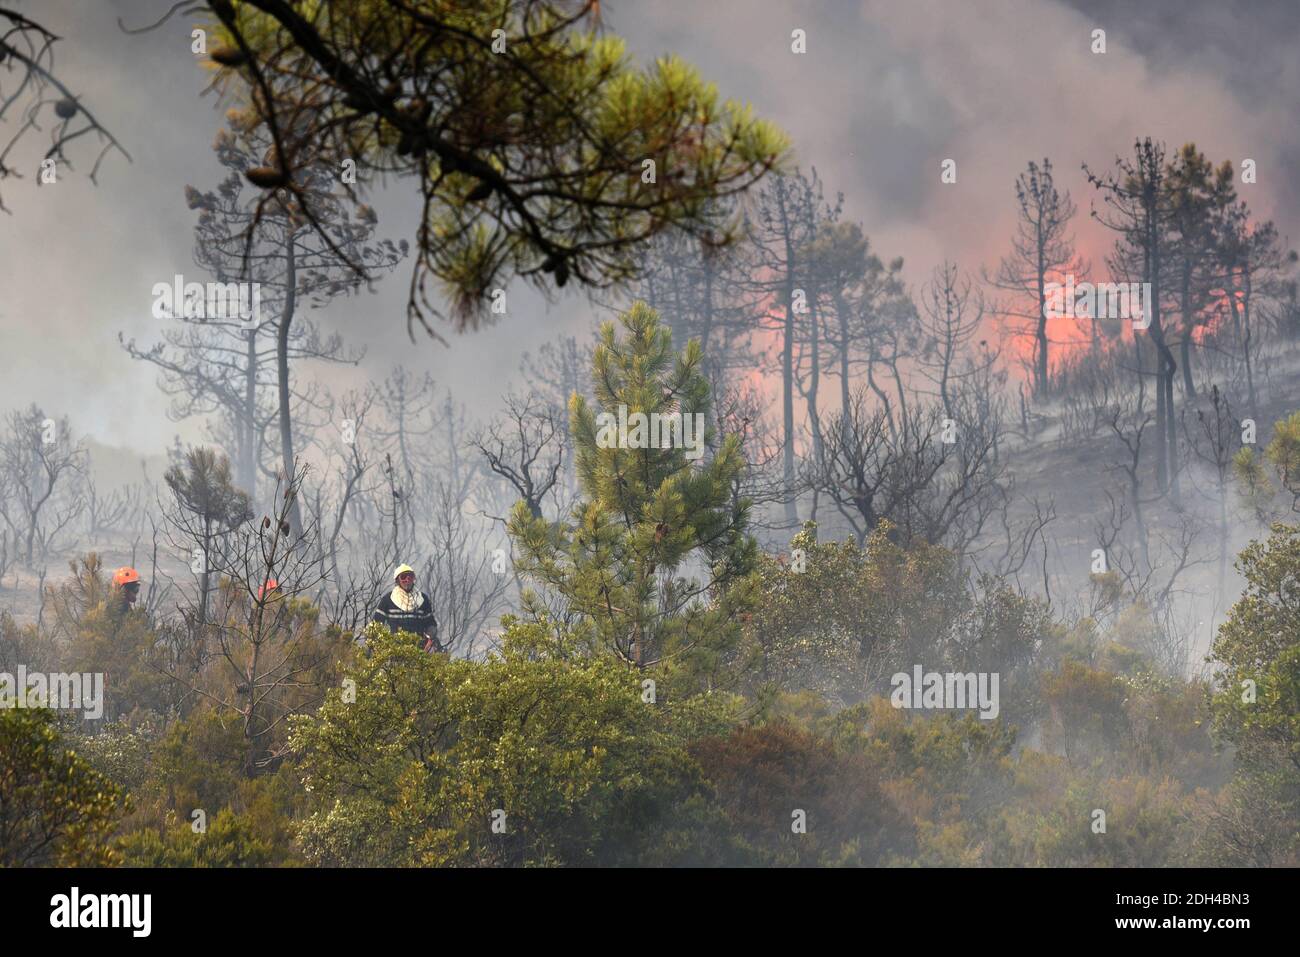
column 126, row 589
column 406, row 608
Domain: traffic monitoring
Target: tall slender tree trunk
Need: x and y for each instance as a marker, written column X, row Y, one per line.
column 1251, row 395
column 1241, row 334
column 948, row 294
column 1040, row 354
column 204, row 576
column 250, row 720
column 882, row 395
column 814, row 415
column 787, row 365
column 249, row 439
column 902, row 392
column 842, row 313
column 1172, row 429
column 1165, row 364
column 1185, row 347
column 282, row 368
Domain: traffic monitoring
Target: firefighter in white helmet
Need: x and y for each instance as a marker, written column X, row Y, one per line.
column 406, row 608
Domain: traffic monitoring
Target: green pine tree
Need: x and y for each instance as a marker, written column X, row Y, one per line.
column 540, row 149
column 656, row 565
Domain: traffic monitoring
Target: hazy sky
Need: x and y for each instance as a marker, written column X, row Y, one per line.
column 885, row 93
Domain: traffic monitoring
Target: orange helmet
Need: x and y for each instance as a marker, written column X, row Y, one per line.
column 125, row 576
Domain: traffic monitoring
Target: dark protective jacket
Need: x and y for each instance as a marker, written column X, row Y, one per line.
column 419, row 621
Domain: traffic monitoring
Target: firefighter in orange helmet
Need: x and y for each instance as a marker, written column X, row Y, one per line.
column 126, row 587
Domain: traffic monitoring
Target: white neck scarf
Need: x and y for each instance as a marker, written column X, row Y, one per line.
column 407, row 601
